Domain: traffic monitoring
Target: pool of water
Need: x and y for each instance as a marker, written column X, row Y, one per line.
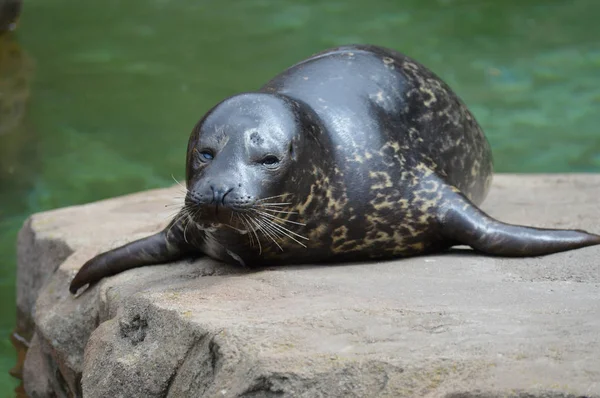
column 97, row 98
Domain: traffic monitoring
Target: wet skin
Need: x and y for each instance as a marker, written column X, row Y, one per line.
column 358, row 153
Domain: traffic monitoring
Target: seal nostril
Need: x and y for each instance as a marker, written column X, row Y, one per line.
column 213, row 194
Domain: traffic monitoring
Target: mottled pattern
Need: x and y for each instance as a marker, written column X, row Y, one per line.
column 399, row 134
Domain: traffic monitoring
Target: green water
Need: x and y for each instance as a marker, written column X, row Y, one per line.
column 113, row 88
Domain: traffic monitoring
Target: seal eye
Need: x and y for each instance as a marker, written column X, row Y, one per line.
column 270, row 161
column 206, row 155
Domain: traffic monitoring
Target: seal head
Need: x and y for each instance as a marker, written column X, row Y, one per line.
column 245, row 150
column 245, row 169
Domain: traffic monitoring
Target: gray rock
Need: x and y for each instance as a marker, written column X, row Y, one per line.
column 40, row 371
column 455, row 325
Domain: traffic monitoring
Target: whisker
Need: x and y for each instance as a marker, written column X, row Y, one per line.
column 174, row 212
column 279, row 218
column 252, row 229
column 250, row 220
column 178, row 183
column 280, row 231
column 171, row 215
column 283, row 227
column 276, row 211
column 189, row 219
column 275, row 204
column 250, row 236
column 285, row 231
column 198, row 210
column 178, row 217
column 272, row 197
column 179, row 201
column 288, row 235
column 268, row 231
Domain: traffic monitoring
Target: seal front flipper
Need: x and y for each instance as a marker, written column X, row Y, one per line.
column 167, row 245
column 462, row 221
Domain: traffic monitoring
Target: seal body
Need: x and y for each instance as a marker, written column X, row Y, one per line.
column 356, row 153
column 390, row 124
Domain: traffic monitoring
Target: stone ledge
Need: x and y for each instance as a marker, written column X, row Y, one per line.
column 456, row 324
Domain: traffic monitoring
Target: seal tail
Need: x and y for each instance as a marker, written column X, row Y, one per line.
column 463, row 222
column 162, row 247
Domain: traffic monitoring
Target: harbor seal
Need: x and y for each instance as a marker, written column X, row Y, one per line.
column 357, row 153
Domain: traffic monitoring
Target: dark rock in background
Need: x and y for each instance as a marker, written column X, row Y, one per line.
column 9, row 12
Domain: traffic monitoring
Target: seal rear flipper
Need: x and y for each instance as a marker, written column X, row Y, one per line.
column 462, row 221
column 162, row 247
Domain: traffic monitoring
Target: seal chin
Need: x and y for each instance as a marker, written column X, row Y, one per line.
column 242, row 231
column 212, row 227
column 211, row 219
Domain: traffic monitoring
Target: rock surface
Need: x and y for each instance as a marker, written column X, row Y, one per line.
column 454, row 325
